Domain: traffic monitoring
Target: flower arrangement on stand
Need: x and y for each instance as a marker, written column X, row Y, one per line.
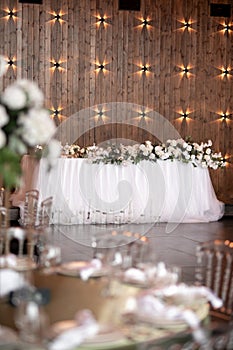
column 24, row 124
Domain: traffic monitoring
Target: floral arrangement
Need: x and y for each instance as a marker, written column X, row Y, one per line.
column 74, row 151
column 184, row 151
column 24, row 124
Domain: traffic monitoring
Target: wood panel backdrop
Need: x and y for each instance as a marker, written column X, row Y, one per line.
column 170, row 63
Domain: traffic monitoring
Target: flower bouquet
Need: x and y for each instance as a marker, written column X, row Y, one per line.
column 24, row 124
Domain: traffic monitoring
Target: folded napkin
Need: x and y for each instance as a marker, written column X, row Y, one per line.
column 9, row 260
column 135, row 275
column 157, row 275
column 189, row 296
column 87, row 327
column 10, row 281
column 87, row 271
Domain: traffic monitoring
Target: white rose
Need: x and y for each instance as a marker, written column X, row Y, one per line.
column 209, row 143
column 185, row 145
column 14, row 97
column 208, row 151
column 148, row 143
column 4, row 118
column 173, row 143
column 193, row 156
column 37, row 127
column 189, row 148
column 142, row 147
column 158, row 148
column 206, row 157
column 152, row 156
column 2, row 139
column 145, row 153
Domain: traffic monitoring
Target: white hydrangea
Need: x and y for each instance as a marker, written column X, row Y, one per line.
column 4, row 118
column 35, row 97
column 37, row 127
column 14, row 97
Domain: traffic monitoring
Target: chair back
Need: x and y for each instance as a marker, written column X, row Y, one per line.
column 30, row 208
column 215, row 271
column 45, row 212
column 18, row 234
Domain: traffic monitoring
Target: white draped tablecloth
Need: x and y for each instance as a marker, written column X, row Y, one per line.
column 165, row 191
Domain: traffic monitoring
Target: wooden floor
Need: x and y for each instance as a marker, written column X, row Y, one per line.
column 173, row 244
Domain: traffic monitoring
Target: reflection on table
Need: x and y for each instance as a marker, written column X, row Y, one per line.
column 165, row 191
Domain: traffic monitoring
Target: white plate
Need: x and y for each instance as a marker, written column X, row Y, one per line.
column 73, row 268
column 106, row 334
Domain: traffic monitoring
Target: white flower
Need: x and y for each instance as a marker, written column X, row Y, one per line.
column 208, row 151
column 2, row 139
column 14, row 97
column 4, row 118
column 35, row 97
column 185, row 145
column 206, row 157
column 158, row 148
column 173, row 143
column 189, row 148
column 3, row 65
column 152, row 156
column 142, row 147
column 209, row 143
column 193, row 157
column 37, row 127
column 54, row 151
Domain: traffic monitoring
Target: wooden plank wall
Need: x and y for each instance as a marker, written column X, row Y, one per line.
column 121, row 101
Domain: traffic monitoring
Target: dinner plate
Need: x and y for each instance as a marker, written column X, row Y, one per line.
column 106, row 334
column 73, row 268
column 24, row 264
column 165, row 323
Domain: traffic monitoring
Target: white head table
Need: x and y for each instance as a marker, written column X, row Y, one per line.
column 165, row 191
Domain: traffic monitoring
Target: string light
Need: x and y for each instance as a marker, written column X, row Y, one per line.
column 10, row 62
column 101, row 67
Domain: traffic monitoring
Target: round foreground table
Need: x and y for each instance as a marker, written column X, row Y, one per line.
column 68, row 295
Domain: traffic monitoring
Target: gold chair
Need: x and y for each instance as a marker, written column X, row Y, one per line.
column 45, row 212
column 215, row 271
column 30, row 208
